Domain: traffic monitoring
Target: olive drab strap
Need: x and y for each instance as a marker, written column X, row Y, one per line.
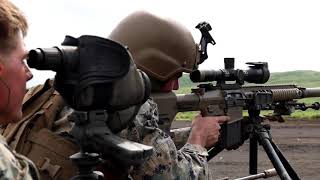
column 33, row 136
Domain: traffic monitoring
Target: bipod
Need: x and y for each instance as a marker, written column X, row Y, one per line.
column 260, row 133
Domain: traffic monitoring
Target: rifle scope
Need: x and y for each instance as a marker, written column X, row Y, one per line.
column 258, row 73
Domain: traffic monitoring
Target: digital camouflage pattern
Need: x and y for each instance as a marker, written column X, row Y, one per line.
column 180, row 136
column 166, row 162
column 14, row 165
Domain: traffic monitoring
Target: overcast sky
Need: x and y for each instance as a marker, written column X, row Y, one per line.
column 284, row 33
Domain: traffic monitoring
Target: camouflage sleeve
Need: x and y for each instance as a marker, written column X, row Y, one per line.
column 166, row 162
column 15, row 166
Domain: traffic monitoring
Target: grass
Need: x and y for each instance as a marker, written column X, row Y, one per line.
column 301, row 78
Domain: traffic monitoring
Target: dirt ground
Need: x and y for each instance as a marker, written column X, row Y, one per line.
column 298, row 140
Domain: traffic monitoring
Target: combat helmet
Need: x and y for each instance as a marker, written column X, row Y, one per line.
column 160, row 47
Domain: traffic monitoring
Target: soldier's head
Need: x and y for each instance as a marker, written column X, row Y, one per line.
column 160, row 47
column 13, row 71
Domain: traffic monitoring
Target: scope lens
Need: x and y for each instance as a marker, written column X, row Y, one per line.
column 257, row 76
column 34, row 58
column 195, row 76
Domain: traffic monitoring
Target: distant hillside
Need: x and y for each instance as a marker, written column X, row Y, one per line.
column 301, row 78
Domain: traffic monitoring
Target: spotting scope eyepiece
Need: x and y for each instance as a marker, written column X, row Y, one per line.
column 55, row 59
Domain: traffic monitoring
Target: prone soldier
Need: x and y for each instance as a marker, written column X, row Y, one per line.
column 164, row 50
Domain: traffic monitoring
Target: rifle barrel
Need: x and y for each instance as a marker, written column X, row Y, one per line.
column 311, row 92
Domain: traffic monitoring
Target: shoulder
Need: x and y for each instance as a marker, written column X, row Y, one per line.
column 8, row 162
column 144, row 128
column 13, row 165
column 147, row 115
column 5, row 153
column 148, row 108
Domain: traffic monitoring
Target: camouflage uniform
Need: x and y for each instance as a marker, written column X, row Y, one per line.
column 14, row 165
column 166, row 162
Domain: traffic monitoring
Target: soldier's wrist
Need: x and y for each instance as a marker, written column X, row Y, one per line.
column 195, row 148
column 197, row 140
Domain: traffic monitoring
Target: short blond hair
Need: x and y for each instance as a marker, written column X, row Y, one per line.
column 12, row 20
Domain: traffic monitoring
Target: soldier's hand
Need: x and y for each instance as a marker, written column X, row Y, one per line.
column 205, row 130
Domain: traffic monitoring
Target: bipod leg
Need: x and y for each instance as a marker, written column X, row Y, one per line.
column 255, row 120
column 284, row 161
column 265, row 140
column 253, row 155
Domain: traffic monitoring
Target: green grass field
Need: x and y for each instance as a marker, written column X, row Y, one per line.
column 301, row 78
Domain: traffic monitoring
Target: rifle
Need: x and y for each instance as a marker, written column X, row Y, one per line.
column 232, row 99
